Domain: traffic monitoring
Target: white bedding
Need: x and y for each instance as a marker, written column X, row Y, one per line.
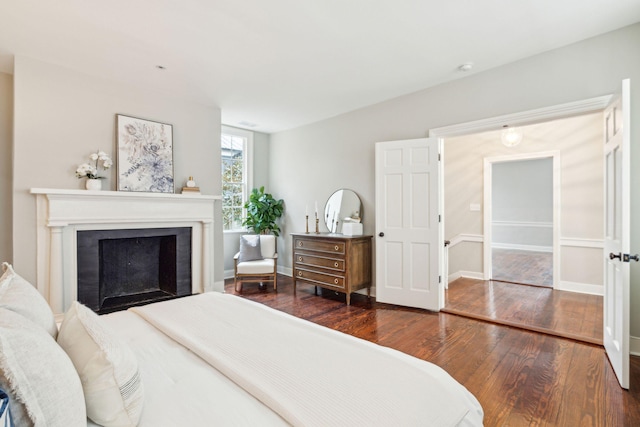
column 274, row 369
column 180, row 388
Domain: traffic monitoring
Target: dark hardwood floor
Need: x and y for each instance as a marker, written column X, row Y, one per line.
column 521, row 378
column 566, row 314
column 528, row 267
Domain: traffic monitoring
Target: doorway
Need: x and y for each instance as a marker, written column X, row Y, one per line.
column 575, row 143
column 521, row 217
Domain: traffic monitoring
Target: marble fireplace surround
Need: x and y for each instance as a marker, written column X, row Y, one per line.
column 61, row 213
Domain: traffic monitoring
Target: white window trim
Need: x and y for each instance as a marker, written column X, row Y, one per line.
column 248, row 163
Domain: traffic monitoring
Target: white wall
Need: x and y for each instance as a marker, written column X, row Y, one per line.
column 6, row 167
column 522, row 203
column 310, row 162
column 61, row 115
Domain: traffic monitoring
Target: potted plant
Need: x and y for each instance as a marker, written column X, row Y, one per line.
column 91, row 170
column 262, row 212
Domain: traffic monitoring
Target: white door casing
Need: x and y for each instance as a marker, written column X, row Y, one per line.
column 617, row 164
column 408, row 232
column 488, row 208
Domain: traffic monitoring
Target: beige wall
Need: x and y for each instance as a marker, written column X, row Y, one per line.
column 6, row 168
column 310, row 162
column 61, row 115
column 579, row 141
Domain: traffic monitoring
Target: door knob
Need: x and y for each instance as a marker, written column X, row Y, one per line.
column 629, row 257
column 614, row 256
column 381, row 234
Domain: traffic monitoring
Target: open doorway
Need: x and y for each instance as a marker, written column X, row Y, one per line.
column 520, row 212
column 575, row 145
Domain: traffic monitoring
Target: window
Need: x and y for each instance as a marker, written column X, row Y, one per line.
column 237, row 147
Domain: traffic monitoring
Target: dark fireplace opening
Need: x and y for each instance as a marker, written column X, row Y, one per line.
column 118, row 269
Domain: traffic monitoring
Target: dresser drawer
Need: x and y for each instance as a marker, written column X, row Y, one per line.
column 319, row 261
column 323, row 279
column 320, row 246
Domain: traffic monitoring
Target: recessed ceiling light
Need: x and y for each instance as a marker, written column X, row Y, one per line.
column 161, row 67
column 247, row 124
column 467, row 66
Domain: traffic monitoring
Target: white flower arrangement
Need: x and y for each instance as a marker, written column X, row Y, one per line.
column 100, row 159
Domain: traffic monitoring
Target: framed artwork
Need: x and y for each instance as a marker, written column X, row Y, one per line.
column 145, row 155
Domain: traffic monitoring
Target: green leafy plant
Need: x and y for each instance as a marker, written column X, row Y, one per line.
column 262, row 212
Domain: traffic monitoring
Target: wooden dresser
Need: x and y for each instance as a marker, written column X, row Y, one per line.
column 332, row 261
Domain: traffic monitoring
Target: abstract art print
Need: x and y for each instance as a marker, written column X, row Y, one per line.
column 145, row 155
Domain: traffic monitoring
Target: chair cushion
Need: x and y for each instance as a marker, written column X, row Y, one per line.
column 108, row 368
column 268, row 245
column 264, row 266
column 20, row 296
column 250, row 248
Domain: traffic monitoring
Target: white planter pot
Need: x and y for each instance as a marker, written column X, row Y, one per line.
column 94, row 184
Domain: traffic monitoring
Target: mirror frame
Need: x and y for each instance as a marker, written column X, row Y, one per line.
column 333, row 219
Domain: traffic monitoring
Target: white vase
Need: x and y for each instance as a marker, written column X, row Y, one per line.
column 94, row 184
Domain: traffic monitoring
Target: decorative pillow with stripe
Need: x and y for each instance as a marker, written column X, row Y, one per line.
column 107, row 367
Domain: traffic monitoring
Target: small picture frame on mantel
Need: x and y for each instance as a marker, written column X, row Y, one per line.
column 145, row 155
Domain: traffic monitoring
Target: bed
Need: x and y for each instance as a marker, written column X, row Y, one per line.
column 219, row 359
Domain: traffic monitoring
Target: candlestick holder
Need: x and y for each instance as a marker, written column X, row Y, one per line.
column 306, row 223
column 317, row 225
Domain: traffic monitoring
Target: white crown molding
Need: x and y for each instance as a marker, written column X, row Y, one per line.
column 538, row 115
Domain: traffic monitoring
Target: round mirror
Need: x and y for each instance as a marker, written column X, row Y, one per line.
column 343, row 206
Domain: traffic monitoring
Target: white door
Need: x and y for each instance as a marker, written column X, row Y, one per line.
column 409, row 241
column 617, row 233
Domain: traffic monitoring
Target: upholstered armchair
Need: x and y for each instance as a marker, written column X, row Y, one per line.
column 257, row 260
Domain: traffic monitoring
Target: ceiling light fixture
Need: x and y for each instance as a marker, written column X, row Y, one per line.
column 247, row 124
column 511, row 136
column 467, row 66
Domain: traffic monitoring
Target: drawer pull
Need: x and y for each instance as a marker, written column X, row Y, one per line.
column 335, row 264
column 299, row 243
column 336, row 247
column 299, row 273
column 300, row 258
column 335, row 281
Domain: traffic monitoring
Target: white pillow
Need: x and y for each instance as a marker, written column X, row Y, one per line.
column 107, row 367
column 20, row 296
column 42, row 384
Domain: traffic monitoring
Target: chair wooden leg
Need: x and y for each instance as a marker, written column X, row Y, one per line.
column 275, row 282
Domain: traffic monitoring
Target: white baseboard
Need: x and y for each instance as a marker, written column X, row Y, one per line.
column 517, row 247
column 286, row 271
column 467, row 274
column 583, row 288
column 634, row 346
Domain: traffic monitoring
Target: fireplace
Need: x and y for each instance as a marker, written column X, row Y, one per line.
column 63, row 216
column 118, row 269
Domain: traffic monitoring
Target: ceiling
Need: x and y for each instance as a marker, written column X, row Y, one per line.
column 279, row 64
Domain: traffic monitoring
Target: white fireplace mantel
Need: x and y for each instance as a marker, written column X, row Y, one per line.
column 61, row 213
